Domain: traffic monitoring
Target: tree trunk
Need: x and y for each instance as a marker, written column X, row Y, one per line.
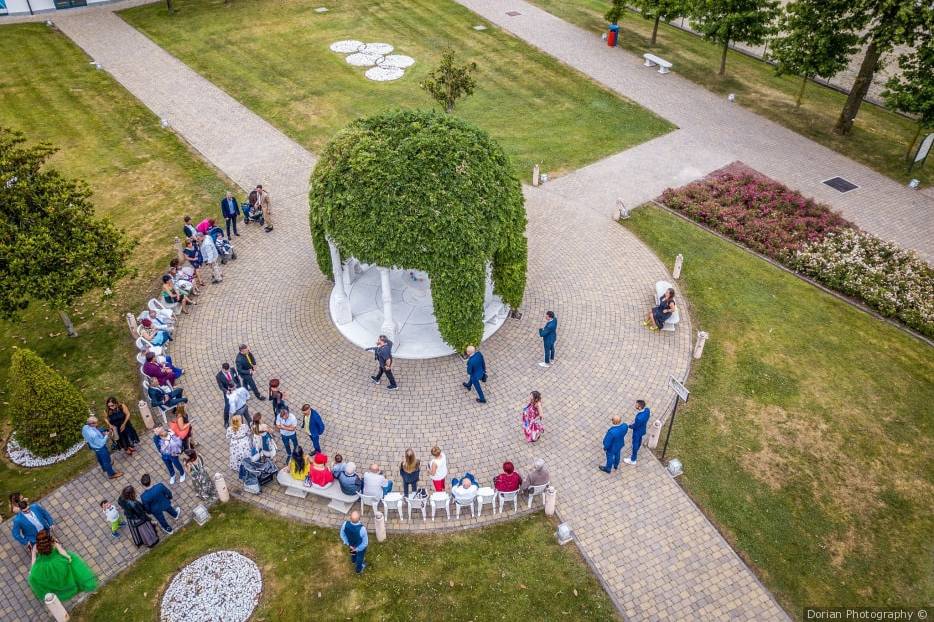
column 913, row 141
column 726, row 47
column 860, row 87
column 655, row 28
column 68, row 325
column 804, row 83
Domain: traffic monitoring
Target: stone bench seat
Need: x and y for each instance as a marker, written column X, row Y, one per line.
column 651, row 61
column 340, row 502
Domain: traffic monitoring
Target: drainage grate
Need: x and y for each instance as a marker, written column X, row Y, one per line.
column 840, row 185
column 513, row 13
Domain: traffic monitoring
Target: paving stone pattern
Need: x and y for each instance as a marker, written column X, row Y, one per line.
column 653, row 549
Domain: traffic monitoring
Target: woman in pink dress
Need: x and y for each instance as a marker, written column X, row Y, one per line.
column 532, row 418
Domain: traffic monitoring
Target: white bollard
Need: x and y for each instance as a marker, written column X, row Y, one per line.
column 621, row 212
column 131, row 322
column 654, row 433
column 223, row 493
column 699, row 347
column 146, row 414
column 54, row 605
column 550, row 499
column 679, row 261
column 536, row 174
column 379, row 523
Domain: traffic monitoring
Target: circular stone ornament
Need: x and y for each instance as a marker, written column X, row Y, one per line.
column 377, row 48
column 25, row 458
column 218, row 587
column 383, row 73
column 363, row 59
column 348, row 46
column 400, row 61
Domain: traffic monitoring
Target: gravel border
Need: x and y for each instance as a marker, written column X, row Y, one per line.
column 21, row 456
column 223, row 586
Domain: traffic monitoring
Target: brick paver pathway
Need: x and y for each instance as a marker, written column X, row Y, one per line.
column 713, row 132
column 654, row 550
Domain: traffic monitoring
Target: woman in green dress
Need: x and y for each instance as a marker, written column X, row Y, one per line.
column 57, row 571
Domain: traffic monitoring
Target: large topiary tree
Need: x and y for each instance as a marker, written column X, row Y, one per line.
column 47, row 411
column 427, row 191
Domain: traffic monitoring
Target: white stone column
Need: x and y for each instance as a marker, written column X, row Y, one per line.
column 389, row 326
column 345, row 273
column 341, row 303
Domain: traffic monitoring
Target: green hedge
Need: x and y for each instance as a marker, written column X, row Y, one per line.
column 47, row 411
column 425, row 191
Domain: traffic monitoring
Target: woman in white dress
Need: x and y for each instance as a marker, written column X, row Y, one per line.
column 240, row 439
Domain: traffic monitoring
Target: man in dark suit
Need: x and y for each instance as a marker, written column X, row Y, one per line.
column 246, row 365
column 549, row 335
column 476, row 371
column 230, row 209
column 228, row 380
column 613, row 442
column 638, row 427
column 157, row 499
column 383, row 355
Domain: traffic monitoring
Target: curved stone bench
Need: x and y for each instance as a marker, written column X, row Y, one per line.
column 295, row 488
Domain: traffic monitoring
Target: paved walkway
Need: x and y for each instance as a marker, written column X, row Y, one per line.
column 712, row 133
column 657, row 554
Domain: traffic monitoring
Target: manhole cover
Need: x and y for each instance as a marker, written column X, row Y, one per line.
column 840, row 185
column 513, row 13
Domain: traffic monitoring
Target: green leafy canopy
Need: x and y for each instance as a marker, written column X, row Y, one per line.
column 912, row 90
column 52, row 247
column 449, row 81
column 426, row 191
column 726, row 21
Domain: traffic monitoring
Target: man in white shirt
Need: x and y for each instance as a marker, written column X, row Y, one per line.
column 374, row 483
column 287, row 425
column 465, row 492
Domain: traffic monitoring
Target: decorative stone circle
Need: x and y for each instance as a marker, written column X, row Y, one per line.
column 399, row 61
column 218, row 587
column 377, row 48
column 364, row 59
column 383, row 73
column 348, row 46
column 25, row 458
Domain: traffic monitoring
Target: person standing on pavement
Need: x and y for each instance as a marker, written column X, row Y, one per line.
column 211, row 257
column 29, row 521
column 264, row 204
column 383, row 355
column 246, row 366
column 157, row 501
column 638, row 427
column 312, row 421
column 287, row 425
column 613, row 442
column 476, row 371
column 227, row 380
column 230, row 210
column 97, row 442
column 549, row 335
column 353, row 534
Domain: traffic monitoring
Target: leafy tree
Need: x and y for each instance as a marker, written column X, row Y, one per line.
column 912, row 92
column 884, row 24
column 616, row 11
column 660, row 10
column 448, row 82
column 52, row 247
column 816, row 39
column 728, row 21
column 47, row 411
column 423, row 190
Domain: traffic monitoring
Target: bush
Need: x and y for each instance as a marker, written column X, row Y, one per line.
column 425, row 191
column 47, row 411
column 895, row 282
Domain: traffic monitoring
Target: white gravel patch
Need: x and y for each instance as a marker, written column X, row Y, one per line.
column 384, row 74
column 400, row 61
column 377, row 48
column 348, row 46
column 23, row 457
column 364, row 59
column 218, row 587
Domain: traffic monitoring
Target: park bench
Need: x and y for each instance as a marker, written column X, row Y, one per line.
column 651, row 61
column 295, row 488
column 660, row 288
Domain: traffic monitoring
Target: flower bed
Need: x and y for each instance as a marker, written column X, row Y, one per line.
column 808, row 237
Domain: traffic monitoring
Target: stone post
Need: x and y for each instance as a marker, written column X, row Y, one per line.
column 146, row 414
column 342, row 311
column 223, row 493
column 178, row 251
column 345, row 273
column 389, row 326
column 536, row 174
column 131, row 322
column 379, row 524
column 654, row 433
column 621, row 212
column 550, row 500
column 56, row 609
column 699, row 346
column 679, row 261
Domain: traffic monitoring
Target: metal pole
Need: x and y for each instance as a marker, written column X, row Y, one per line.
column 671, row 424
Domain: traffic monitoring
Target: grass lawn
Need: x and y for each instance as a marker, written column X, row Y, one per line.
column 879, row 138
column 510, row 571
column 141, row 175
column 273, row 56
column 808, row 435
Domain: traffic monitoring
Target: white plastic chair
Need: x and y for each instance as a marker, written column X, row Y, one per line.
column 144, row 346
column 157, row 305
column 367, row 500
column 439, row 500
column 660, row 288
column 460, row 503
column 485, row 495
column 162, row 409
column 393, row 501
column 417, row 504
column 536, row 491
column 505, row 497
column 141, row 358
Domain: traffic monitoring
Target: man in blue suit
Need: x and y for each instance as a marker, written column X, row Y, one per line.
column 549, row 335
column 229, row 210
column 31, row 519
column 638, row 426
column 157, row 500
column 476, row 371
column 613, row 442
column 312, row 419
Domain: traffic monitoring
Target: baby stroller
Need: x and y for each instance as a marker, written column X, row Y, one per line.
column 224, row 248
column 251, row 216
column 256, row 473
